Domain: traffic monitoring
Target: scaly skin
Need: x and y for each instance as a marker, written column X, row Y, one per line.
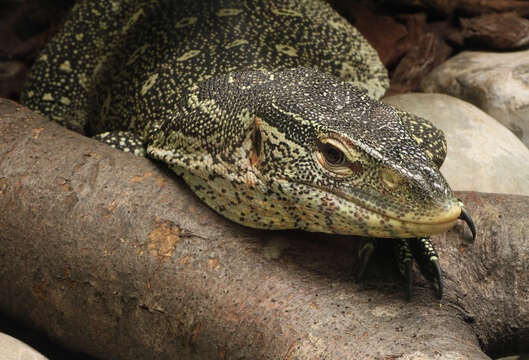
column 267, row 110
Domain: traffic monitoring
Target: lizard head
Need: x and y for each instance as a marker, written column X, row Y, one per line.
column 349, row 163
column 314, row 153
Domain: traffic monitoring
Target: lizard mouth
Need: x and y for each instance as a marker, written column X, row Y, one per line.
column 445, row 218
column 379, row 224
column 416, row 229
column 384, row 225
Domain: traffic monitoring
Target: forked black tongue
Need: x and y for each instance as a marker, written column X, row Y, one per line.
column 465, row 216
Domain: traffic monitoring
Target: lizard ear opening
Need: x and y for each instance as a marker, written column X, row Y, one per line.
column 257, row 142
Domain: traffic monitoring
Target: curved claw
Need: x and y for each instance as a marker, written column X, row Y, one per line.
column 364, row 255
column 439, row 278
column 465, row 216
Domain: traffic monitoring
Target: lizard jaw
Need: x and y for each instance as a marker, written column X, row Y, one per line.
column 379, row 225
column 403, row 228
column 352, row 217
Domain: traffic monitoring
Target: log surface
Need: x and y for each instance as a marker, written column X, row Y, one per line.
column 112, row 255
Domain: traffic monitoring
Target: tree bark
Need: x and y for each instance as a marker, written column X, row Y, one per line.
column 112, row 255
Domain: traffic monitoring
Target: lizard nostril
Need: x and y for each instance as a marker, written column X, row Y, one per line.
column 390, row 178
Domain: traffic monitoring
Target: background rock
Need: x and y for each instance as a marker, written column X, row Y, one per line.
column 501, row 31
column 497, row 83
column 482, row 154
column 13, row 349
column 448, row 7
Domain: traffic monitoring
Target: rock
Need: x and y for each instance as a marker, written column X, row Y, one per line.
column 12, row 76
column 445, row 7
column 448, row 7
column 498, row 83
column 429, row 51
column 497, row 31
column 13, row 349
column 482, row 154
column 389, row 38
column 485, row 7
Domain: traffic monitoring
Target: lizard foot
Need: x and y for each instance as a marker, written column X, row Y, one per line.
column 426, row 257
column 422, row 251
column 404, row 257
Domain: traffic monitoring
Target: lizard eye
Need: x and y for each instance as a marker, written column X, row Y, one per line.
column 333, row 156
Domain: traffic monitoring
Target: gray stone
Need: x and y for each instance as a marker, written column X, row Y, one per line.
column 483, row 155
column 13, row 349
column 497, row 83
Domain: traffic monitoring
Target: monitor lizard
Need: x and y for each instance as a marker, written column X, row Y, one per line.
column 268, row 110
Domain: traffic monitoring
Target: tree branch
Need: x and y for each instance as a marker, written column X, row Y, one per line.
column 112, row 255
